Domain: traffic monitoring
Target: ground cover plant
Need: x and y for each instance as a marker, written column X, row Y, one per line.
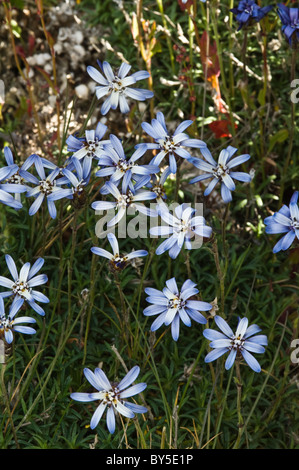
column 149, row 225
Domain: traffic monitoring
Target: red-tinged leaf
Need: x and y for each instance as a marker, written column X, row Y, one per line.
column 186, row 5
column 221, row 128
column 31, row 44
column 50, row 40
column 209, row 56
column 20, row 51
column 48, row 79
column 29, row 107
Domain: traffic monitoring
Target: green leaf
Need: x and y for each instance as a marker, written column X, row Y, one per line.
column 279, row 137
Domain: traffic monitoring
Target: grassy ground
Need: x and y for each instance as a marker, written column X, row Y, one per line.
column 95, row 318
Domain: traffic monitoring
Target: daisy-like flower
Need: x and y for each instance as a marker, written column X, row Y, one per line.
column 221, row 171
column 157, row 185
column 75, row 180
column 117, row 86
column 169, row 145
column 117, row 261
column 89, row 147
column 181, row 228
column 286, row 220
column 112, row 396
column 290, row 22
column 15, row 177
column 247, row 11
column 241, row 344
column 21, row 287
column 124, row 201
column 9, row 324
column 45, row 186
column 118, row 167
column 5, row 173
column 172, row 306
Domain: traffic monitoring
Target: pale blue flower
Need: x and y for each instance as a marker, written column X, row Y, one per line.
column 14, row 178
column 118, row 167
column 221, row 171
column 89, row 147
column 286, row 220
column 22, row 284
column 9, row 324
column 117, row 86
column 181, row 229
column 173, row 306
column 242, row 343
column 117, row 261
column 44, row 186
column 169, row 145
column 112, row 396
column 75, row 176
column 125, row 200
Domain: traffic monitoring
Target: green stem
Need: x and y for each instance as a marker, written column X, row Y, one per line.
column 239, row 403
column 292, row 128
column 70, row 266
column 6, row 400
column 170, row 51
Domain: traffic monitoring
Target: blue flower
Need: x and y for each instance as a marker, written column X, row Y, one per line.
column 118, row 167
column 7, row 186
column 117, row 261
column 45, row 186
column 182, row 227
column 173, row 306
column 21, row 287
column 157, row 185
column 9, row 324
column 242, row 343
column 124, row 201
column 286, row 220
column 116, row 86
column 290, row 22
column 13, row 178
column 167, row 144
column 111, row 396
column 76, row 176
column 248, row 10
column 88, row 147
column 221, row 171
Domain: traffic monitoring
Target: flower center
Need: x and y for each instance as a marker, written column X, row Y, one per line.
column 158, row 189
column 111, row 397
column 92, row 146
column 79, row 188
column 5, row 323
column 183, row 226
column 220, row 171
column 167, row 144
column 294, row 223
column 116, row 85
column 119, row 262
column 125, row 200
column 15, row 179
column 19, row 287
column 237, row 343
column 124, row 166
column 177, row 302
column 46, row 186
